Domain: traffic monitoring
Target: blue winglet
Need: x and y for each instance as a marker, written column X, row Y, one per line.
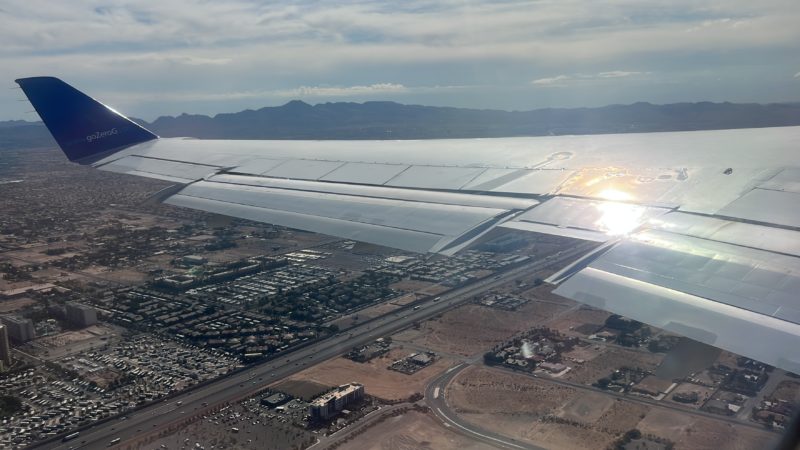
column 84, row 128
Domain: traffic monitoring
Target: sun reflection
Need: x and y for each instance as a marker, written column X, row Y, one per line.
column 619, row 218
column 615, row 195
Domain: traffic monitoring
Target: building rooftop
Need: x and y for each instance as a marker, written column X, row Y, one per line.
column 339, row 392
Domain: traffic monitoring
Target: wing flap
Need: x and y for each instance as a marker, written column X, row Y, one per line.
column 712, row 291
column 176, row 171
column 410, row 240
column 414, row 195
column 772, row 239
column 441, row 219
column 735, row 329
column 352, row 212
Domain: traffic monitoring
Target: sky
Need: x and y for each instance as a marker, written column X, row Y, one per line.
column 166, row 57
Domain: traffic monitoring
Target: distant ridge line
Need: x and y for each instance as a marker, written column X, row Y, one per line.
column 388, row 120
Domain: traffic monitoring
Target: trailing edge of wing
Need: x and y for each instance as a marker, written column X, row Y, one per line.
column 737, row 330
column 730, row 296
column 408, row 220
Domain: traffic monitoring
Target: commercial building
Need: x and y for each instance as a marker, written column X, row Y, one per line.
column 19, row 329
column 328, row 405
column 81, row 315
column 5, row 348
column 194, row 260
column 275, row 400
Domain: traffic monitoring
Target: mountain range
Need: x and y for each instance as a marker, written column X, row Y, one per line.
column 389, row 120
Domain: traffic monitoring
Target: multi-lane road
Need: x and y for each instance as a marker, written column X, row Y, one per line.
column 158, row 416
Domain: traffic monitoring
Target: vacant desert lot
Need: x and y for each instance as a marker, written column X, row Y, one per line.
column 410, row 431
column 473, row 329
column 692, row 432
column 515, row 405
column 377, row 379
column 611, row 358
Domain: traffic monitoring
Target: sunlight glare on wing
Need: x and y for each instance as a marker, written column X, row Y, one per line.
column 615, row 195
column 619, row 218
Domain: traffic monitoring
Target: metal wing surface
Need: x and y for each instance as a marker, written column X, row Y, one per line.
column 701, row 229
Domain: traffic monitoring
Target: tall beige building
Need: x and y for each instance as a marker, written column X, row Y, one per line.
column 328, row 405
column 5, row 348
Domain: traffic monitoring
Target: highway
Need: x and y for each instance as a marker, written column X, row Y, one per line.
column 159, row 416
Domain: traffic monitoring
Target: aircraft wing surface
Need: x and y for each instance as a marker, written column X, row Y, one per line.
column 700, row 230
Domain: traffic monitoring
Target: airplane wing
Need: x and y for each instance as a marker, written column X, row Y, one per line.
column 700, row 231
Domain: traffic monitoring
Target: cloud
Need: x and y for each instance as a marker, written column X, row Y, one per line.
column 564, row 80
column 618, row 74
column 332, row 91
column 552, row 31
column 551, row 80
column 339, row 49
column 797, row 75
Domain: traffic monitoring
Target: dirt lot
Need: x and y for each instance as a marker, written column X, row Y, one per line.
column 787, row 390
column 68, row 342
column 37, row 255
column 377, row 379
column 473, row 329
column 490, row 391
column 586, row 408
column 582, row 352
column 55, row 274
column 7, row 306
column 610, row 359
column 410, row 431
column 621, row 417
column 514, row 405
column 692, row 432
column 412, row 285
column 580, row 316
column 547, row 435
